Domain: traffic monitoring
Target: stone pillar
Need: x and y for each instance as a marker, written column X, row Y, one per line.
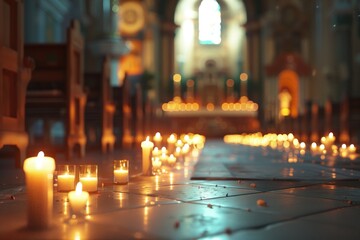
column 105, row 38
column 167, row 56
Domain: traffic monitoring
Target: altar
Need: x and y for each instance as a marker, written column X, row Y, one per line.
column 211, row 120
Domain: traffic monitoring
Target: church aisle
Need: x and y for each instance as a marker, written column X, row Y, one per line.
column 173, row 206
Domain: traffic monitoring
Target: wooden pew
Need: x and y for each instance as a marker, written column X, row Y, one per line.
column 55, row 93
column 100, row 109
column 15, row 73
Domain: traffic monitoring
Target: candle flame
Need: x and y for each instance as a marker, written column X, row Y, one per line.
column 78, row 189
column 40, row 160
column 41, row 154
column 147, row 138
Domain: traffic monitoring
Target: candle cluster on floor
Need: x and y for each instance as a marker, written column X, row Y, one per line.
column 160, row 154
column 39, row 173
column 327, row 145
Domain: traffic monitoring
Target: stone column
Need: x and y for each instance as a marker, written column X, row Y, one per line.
column 105, row 38
column 167, row 52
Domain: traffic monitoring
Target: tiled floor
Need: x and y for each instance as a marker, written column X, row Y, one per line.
column 221, row 202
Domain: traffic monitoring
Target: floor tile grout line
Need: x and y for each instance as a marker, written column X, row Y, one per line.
column 264, row 226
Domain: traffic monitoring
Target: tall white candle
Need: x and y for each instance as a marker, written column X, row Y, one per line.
column 39, row 187
column 78, row 199
column 146, row 147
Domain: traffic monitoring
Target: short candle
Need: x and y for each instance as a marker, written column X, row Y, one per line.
column 121, row 171
column 88, row 177
column 65, row 177
column 66, row 182
column 78, row 199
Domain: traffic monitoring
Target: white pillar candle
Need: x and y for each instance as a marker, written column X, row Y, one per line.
column 66, row 182
column 39, row 187
column 146, row 147
column 78, row 199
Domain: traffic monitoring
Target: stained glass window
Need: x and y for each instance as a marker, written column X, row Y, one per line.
column 209, row 22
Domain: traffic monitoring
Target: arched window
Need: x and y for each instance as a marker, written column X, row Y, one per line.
column 209, row 22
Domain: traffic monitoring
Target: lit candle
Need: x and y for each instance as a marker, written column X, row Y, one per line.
column 146, row 147
column 121, row 176
column 39, row 187
column 78, row 199
column 171, row 159
column 343, row 150
column 164, row 150
column 171, row 143
column 352, row 149
column 158, row 140
column 164, row 157
column 89, row 183
column 179, row 143
column 66, row 182
column 156, row 152
column 156, row 164
column 177, row 152
column 314, row 148
column 121, row 171
column 185, row 149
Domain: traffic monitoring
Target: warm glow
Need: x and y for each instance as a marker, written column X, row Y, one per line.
column 78, row 189
column 177, row 78
column 243, row 77
column 230, row 83
column 190, row 83
column 210, row 107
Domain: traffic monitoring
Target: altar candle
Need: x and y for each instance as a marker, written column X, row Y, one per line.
column 158, row 140
column 39, row 187
column 66, row 182
column 146, row 147
column 78, row 199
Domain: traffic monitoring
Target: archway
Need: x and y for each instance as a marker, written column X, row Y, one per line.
column 191, row 56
